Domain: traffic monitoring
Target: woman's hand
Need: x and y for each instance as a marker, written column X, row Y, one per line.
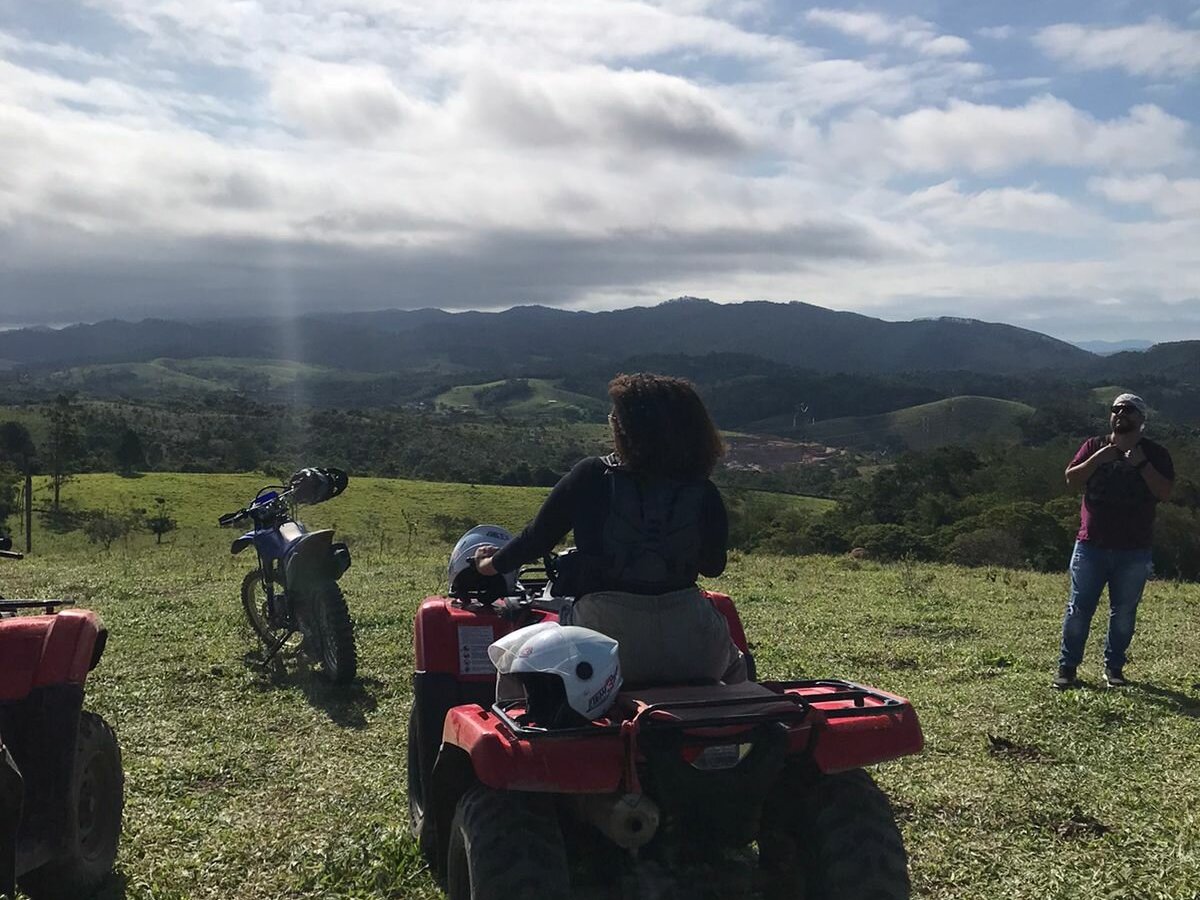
column 483, row 559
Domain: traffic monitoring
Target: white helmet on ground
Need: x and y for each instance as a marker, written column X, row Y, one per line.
column 567, row 675
column 461, row 575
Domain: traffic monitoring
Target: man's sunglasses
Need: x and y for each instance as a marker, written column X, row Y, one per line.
column 1117, row 410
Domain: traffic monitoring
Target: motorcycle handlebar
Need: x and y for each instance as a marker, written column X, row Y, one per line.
column 231, row 518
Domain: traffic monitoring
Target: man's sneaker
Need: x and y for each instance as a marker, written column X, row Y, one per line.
column 1115, row 678
column 1065, row 678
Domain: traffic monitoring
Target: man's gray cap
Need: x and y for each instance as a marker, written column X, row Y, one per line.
column 1131, row 400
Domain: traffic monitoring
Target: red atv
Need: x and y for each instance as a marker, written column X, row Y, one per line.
column 61, row 783
column 743, row 790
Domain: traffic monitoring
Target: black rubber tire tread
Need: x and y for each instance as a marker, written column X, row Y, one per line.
column 506, row 845
column 335, row 630
column 421, row 824
column 82, row 869
column 251, row 606
column 850, row 844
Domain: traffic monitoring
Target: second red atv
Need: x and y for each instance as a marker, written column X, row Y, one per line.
column 61, row 781
column 744, row 790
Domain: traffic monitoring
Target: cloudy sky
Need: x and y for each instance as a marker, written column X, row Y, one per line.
column 1032, row 163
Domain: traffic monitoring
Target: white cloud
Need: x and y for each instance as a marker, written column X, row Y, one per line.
column 1175, row 198
column 472, row 153
column 599, row 108
column 345, row 102
column 916, row 34
column 1004, row 209
column 1155, row 47
column 986, row 138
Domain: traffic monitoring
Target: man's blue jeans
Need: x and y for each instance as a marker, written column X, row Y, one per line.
column 1125, row 573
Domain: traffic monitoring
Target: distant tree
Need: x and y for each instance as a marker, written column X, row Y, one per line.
column 129, row 454
column 64, row 444
column 17, row 447
column 160, row 523
column 986, row 547
column 103, row 527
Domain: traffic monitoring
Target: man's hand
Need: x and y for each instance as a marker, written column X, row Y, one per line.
column 1108, row 453
column 1136, row 455
column 1125, row 441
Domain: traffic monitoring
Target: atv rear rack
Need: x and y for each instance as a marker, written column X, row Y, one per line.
column 831, row 698
column 50, row 606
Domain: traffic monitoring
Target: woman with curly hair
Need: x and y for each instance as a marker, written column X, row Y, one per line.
column 647, row 522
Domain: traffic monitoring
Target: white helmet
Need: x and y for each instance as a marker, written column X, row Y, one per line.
column 567, row 675
column 463, row 578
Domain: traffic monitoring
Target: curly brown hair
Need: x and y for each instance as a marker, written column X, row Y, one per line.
column 660, row 426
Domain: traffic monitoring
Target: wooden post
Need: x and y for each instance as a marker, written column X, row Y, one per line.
column 28, row 511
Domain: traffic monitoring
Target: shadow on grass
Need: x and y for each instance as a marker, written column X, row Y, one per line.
column 346, row 705
column 113, row 888
column 1175, row 701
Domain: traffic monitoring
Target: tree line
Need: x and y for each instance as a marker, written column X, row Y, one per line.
column 1003, row 506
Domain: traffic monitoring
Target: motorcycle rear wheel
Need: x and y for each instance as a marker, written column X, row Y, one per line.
column 334, row 633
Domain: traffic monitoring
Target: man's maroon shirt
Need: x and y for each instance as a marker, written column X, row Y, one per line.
column 1117, row 512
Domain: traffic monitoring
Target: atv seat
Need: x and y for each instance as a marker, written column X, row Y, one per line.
column 689, row 703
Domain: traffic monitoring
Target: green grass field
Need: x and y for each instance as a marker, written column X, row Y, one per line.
column 243, row 785
column 545, row 399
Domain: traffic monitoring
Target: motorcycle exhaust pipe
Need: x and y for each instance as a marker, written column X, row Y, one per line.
column 628, row 820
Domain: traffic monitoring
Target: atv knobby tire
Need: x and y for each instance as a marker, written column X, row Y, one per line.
column 334, row 632
column 506, row 845
column 422, row 825
column 93, row 818
column 833, row 837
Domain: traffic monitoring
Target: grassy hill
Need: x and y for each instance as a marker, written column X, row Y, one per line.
column 524, row 398
column 967, row 421
column 247, row 785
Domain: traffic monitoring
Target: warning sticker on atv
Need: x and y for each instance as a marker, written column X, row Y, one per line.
column 473, row 643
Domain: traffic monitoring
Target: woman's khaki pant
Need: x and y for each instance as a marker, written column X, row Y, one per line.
column 664, row 639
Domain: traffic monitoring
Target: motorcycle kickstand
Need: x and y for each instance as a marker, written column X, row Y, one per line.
column 278, row 646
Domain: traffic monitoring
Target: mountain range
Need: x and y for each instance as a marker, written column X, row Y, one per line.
column 532, row 338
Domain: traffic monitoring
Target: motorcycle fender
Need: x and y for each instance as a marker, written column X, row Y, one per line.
column 341, row 559
column 311, row 558
column 246, row 540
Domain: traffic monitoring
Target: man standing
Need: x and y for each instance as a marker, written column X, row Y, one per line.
column 1124, row 476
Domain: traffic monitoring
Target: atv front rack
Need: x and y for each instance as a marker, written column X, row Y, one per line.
column 832, row 695
column 50, row 606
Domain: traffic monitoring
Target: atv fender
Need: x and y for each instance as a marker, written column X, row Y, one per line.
column 40, row 651
column 568, row 764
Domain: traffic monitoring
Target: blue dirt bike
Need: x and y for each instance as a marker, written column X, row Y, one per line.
column 293, row 599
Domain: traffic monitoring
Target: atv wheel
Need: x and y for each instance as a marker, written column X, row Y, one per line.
column 833, row 837
column 422, row 825
column 93, row 820
column 506, row 845
column 334, row 633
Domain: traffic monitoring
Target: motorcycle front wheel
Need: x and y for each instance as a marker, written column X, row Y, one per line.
column 333, row 633
column 254, row 602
